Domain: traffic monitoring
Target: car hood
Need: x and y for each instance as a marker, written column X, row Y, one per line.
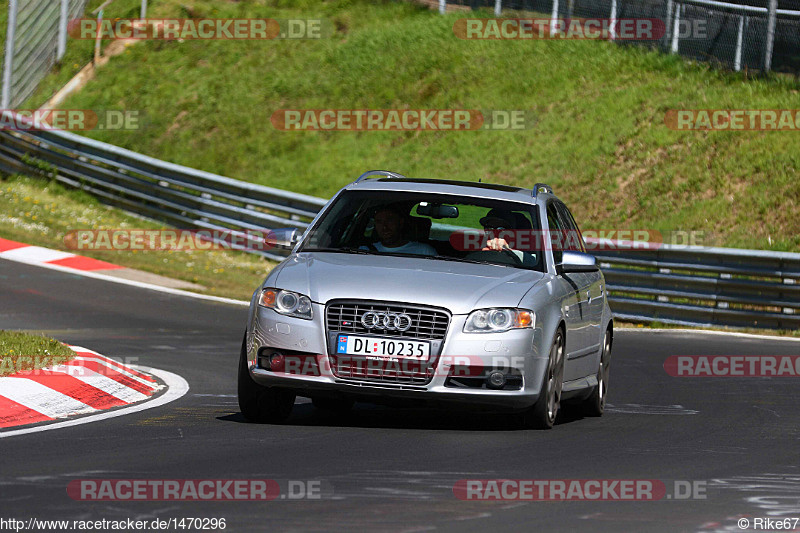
column 459, row 287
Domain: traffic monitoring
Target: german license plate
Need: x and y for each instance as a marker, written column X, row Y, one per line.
column 382, row 347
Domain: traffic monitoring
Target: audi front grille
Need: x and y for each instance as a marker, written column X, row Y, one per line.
column 426, row 324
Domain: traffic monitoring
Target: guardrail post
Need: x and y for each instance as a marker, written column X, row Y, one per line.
column 554, row 19
column 143, row 12
column 667, row 25
column 62, row 29
column 737, row 61
column 613, row 21
column 98, row 38
column 771, row 21
column 8, row 63
column 498, row 7
column 676, row 29
column 442, row 6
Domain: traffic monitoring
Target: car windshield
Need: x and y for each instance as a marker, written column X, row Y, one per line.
column 432, row 226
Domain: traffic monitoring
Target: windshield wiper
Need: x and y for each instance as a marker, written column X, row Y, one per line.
column 462, row 260
column 451, row 258
column 477, row 262
column 344, row 250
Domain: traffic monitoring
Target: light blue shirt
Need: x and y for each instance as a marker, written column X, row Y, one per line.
column 418, row 248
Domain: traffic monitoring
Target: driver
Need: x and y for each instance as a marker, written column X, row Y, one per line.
column 391, row 225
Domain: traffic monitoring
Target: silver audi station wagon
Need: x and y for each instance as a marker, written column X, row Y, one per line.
column 431, row 292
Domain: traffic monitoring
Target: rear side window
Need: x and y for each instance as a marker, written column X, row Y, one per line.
column 556, row 227
column 573, row 239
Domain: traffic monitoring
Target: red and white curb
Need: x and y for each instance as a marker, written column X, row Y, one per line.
column 25, row 253
column 87, row 384
column 90, row 268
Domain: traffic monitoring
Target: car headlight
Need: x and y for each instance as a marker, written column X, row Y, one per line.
column 286, row 302
column 498, row 320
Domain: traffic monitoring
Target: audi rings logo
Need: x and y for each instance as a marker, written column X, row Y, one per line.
column 387, row 321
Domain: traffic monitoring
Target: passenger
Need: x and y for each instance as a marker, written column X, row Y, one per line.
column 496, row 221
column 391, row 225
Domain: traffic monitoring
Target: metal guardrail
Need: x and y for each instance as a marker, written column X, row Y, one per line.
column 678, row 285
column 709, row 286
column 179, row 195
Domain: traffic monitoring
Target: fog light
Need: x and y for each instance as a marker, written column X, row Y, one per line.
column 496, row 380
column 276, row 362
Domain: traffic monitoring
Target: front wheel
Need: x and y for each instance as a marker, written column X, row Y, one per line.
column 543, row 413
column 595, row 404
column 258, row 403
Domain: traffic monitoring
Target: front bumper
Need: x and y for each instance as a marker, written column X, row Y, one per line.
column 517, row 352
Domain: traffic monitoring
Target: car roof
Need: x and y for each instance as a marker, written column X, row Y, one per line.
column 463, row 188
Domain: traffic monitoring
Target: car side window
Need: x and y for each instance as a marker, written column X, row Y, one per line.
column 555, row 226
column 573, row 238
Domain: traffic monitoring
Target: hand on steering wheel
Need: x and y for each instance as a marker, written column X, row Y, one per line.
column 500, row 245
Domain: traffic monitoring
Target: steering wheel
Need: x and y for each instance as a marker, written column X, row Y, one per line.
column 498, row 256
column 508, row 251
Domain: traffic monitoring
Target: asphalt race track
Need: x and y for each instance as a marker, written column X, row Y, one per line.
column 385, row 469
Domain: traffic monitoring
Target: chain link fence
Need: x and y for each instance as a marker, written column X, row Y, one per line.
column 35, row 40
column 731, row 35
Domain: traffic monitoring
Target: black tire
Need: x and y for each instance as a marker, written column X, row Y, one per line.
column 544, row 412
column 595, row 404
column 258, row 403
column 334, row 405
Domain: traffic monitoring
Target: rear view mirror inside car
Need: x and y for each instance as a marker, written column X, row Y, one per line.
column 437, row 210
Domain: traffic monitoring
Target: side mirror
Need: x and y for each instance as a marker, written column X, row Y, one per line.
column 284, row 237
column 576, row 262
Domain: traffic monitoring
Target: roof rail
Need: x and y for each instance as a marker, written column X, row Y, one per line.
column 541, row 187
column 388, row 173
